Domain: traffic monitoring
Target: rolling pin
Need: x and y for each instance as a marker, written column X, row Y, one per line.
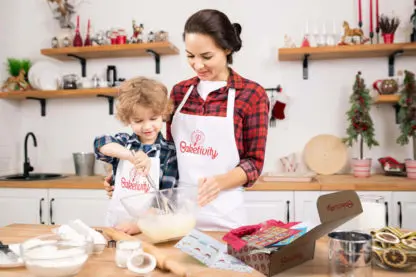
column 163, row 262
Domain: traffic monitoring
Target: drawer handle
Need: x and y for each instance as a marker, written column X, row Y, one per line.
column 40, row 211
column 51, row 211
column 387, row 212
column 400, row 213
column 288, row 211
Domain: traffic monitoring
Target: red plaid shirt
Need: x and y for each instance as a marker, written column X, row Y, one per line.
column 251, row 114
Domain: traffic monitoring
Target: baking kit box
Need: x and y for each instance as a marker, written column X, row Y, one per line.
column 296, row 245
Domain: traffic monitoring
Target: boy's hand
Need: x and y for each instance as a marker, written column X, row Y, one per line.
column 141, row 162
column 129, row 228
column 107, row 185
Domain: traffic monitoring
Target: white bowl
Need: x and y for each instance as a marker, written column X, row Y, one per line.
column 52, row 256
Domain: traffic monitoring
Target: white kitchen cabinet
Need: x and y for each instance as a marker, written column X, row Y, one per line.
column 88, row 205
column 52, row 206
column 265, row 205
column 305, row 206
column 404, row 209
column 22, row 205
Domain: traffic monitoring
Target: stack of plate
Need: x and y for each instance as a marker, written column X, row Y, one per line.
column 44, row 75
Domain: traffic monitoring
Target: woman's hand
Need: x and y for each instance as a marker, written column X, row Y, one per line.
column 141, row 162
column 208, row 190
column 109, row 188
column 128, row 227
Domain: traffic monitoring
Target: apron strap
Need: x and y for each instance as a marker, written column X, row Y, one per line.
column 185, row 98
column 230, row 103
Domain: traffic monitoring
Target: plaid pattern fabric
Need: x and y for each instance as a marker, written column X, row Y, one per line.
column 168, row 163
column 251, row 114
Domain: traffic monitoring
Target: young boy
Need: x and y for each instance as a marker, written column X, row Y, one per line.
column 143, row 104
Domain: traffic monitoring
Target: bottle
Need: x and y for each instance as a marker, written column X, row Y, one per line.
column 77, row 39
column 88, row 37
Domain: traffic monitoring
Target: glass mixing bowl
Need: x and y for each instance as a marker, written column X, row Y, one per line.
column 53, row 256
column 166, row 214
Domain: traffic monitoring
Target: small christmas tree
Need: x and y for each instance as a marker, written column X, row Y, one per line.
column 407, row 113
column 361, row 124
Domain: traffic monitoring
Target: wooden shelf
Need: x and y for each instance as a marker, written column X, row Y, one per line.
column 154, row 49
column 65, row 93
column 42, row 95
column 388, row 99
column 111, row 51
column 347, row 52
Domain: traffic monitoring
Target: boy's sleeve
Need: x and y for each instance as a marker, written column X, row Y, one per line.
column 170, row 173
column 100, row 141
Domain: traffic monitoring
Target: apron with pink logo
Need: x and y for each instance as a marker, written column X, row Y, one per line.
column 128, row 182
column 205, row 147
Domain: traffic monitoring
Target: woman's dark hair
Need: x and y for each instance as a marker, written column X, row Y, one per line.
column 217, row 25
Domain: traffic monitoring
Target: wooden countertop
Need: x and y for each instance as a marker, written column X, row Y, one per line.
column 340, row 182
column 103, row 265
column 321, row 183
column 69, row 182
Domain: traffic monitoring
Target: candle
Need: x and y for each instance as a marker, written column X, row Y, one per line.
column 371, row 16
column 377, row 16
column 359, row 12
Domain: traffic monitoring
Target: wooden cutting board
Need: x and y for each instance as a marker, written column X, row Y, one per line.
column 325, row 154
column 174, row 260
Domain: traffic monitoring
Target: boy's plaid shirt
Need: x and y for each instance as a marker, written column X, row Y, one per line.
column 168, row 163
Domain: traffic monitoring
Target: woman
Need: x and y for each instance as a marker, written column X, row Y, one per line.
column 220, row 122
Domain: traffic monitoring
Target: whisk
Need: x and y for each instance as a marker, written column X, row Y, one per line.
column 166, row 207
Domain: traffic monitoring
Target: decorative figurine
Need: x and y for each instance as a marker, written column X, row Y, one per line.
column 66, row 42
column 98, row 39
column 161, row 36
column 151, row 37
column 351, row 33
column 54, row 42
column 18, row 82
column 137, row 33
column 289, row 42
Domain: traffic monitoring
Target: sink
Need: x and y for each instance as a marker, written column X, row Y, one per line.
column 32, row 177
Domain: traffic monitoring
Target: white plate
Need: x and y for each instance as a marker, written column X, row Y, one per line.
column 36, row 73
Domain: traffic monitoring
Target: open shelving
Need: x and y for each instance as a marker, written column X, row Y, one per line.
column 43, row 95
column 304, row 54
column 154, row 49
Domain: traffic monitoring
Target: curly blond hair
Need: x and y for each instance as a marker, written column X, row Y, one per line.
column 144, row 92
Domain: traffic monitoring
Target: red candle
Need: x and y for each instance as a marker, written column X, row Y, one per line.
column 359, row 11
column 377, row 15
column 371, row 16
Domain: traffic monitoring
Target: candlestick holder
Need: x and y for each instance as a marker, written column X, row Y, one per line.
column 371, row 37
column 378, row 34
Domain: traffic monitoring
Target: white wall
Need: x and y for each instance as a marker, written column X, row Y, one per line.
column 318, row 105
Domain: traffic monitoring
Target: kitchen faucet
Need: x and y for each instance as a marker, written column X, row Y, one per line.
column 26, row 166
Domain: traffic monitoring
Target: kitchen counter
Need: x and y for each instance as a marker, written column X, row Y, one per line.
column 103, row 265
column 321, row 183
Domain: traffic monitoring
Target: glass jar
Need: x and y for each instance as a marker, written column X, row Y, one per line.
column 124, row 249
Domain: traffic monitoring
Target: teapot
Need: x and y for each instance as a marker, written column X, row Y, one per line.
column 386, row 86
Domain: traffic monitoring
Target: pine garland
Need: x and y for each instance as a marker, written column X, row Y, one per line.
column 407, row 113
column 361, row 125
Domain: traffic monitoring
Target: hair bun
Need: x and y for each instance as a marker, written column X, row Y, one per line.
column 237, row 28
column 238, row 42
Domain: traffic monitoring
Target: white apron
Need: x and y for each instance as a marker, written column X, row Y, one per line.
column 205, row 147
column 128, row 182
